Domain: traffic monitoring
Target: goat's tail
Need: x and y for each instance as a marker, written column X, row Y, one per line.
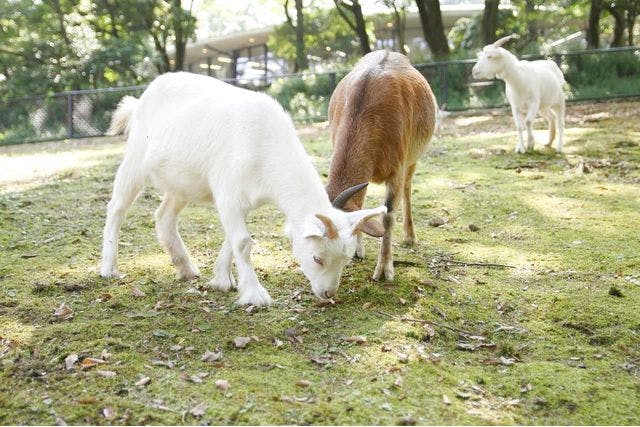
column 121, row 119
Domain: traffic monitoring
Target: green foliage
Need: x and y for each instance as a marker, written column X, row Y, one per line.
column 59, row 45
column 326, row 33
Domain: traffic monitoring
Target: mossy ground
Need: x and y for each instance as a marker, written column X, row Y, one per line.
column 559, row 320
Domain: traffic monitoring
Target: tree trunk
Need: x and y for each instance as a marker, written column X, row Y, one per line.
column 359, row 26
column 631, row 21
column 490, row 21
column 593, row 30
column 432, row 27
column 301, row 62
column 618, row 29
column 399, row 21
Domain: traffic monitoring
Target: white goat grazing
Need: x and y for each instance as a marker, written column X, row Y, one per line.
column 531, row 86
column 198, row 139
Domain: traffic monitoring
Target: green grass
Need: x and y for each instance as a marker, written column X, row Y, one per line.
column 564, row 319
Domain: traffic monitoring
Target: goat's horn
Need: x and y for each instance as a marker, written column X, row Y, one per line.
column 503, row 40
column 343, row 197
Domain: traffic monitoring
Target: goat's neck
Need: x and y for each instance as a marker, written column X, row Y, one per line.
column 514, row 74
column 299, row 193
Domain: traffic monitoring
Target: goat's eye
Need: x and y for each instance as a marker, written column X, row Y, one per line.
column 318, row 260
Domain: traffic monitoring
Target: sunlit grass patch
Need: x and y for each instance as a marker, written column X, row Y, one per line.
column 528, row 317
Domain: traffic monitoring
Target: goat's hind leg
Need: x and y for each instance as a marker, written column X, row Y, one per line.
column 126, row 187
column 559, row 112
column 167, row 230
column 551, row 121
column 409, row 233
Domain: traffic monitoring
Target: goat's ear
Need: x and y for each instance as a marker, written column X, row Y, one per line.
column 330, row 229
column 363, row 220
column 320, row 226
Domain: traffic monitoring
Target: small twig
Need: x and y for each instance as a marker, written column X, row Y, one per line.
column 480, row 264
column 429, row 322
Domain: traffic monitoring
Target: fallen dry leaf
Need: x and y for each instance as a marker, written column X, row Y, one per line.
column 63, row 312
column 198, row 410
column 222, row 385
column 407, row 420
column 104, row 297
column 211, row 356
column 367, row 305
column 358, row 339
column 70, row 361
column 278, row 342
column 241, row 342
column 142, row 382
column 446, row 400
column 303, row 383
column 90, row 362
column 109, row 413
column 137, row 292
column 106, row 374
column 402, row 357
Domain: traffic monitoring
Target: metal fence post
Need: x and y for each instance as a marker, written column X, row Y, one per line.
column 69, row 115
column 444, row 84
column 332, row 82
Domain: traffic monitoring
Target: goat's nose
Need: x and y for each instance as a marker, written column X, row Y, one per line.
column 329, row 294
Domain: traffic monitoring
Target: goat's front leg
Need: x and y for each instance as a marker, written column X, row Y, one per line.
column 517, row 118
column 222, row 277
column 528, row 121
column 384, row 267
column 250, row 290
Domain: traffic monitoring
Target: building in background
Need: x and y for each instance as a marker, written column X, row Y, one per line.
column 245, row 57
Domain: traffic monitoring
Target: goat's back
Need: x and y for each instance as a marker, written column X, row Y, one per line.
column 193, row 131
column 382, row 115
column 548, row 80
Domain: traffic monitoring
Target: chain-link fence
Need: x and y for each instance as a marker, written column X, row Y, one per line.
column 590, row 75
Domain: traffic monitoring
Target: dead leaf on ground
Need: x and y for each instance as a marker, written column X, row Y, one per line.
column 303, row 383
column 143, row 382
column 222, row 385
column 211, row 356
column 241, row 342
column 278, row 342
column 106, row 374
column 446, row 400
column 108, row 412
column 70, row 361
column 358, row 339
column 198, row 410
column 104, row 297
column 407, row 420
column 63, row 312
column 90, row 362
column 136, row 292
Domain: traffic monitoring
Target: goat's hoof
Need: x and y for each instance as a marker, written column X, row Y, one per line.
column 408, row 242
column 110, row 273
column 258, row 297
column 385, row 273
column 189, row 274
column 222, row 283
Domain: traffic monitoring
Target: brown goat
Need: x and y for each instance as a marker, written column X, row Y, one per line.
column 382, row 116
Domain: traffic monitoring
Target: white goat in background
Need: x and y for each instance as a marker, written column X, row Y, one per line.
column 531, row 87
column 198, row 139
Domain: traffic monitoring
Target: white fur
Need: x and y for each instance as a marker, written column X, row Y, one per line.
column 198, row 139
column 531, row 87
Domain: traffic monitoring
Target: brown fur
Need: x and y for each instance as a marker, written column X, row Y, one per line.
column 382, row 116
